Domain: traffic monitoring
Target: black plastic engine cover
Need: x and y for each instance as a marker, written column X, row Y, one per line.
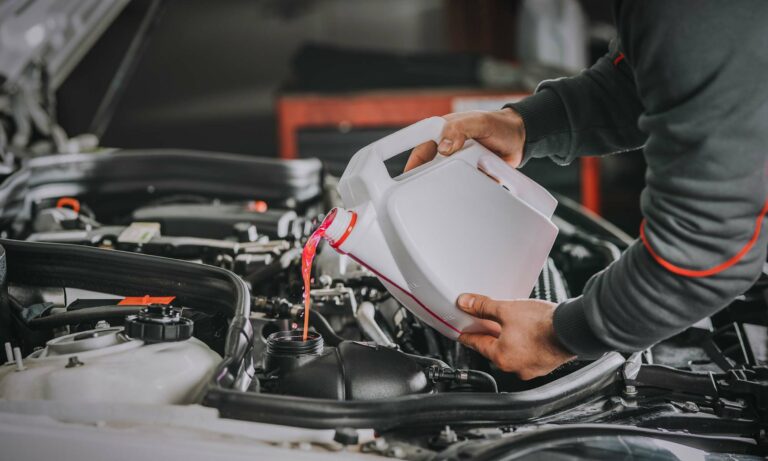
column 215, row 220
column 114, row 183
column 353, row 371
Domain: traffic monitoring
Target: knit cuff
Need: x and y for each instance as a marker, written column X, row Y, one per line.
column 543, row 114
column 573, row 330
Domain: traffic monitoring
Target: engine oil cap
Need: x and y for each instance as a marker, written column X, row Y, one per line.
column 158, row 323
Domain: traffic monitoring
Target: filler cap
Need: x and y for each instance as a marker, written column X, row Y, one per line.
column 158, row 323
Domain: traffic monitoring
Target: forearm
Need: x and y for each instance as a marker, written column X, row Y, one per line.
column 636, row 303
column 593, row 113
column 703, row 243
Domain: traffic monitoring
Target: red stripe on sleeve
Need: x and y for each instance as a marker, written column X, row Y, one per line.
column 713, row 270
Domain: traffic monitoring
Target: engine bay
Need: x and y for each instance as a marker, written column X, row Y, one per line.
column 202, row 300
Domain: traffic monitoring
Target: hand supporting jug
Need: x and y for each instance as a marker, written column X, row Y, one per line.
column 464, row 223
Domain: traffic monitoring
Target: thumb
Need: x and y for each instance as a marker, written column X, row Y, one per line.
column 480, row 306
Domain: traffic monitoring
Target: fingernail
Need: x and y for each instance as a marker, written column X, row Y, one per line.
column 466, row 301
column 444, row 146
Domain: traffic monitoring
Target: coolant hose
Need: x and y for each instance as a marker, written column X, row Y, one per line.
column 598, row 378
column 477, row 380
column 426, row 361
column 482, row 381
column 320, row 323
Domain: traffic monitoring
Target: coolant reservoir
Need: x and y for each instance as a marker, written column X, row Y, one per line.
column 104, row 365
column 458, row 224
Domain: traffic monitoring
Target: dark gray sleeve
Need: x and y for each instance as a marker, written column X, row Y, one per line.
column 699, row 68
column 592, row 113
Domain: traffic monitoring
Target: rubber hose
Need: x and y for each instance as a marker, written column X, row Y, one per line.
column 320, row 323
column 481, row 380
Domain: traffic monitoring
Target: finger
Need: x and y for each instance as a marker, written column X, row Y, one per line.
column 451, row 142
column 472, row 125
column 483, row 344
column 480, row 306
column 530, row 373
column 420, row 155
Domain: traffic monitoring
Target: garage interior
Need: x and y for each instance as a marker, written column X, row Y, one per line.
column 225, row 231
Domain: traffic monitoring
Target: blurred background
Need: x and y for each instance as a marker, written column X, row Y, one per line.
column 322, row 78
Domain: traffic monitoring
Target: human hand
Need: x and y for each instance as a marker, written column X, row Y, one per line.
column 527, row 344
column 501, row 132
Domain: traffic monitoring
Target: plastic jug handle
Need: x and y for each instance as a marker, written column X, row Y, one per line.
column 366, row 176
column 518, row 184
column 409, row 137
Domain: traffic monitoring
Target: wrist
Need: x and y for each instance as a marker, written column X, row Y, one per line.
column 573, row 331
column 543, row 116
column 514, row 122
column 555, row 347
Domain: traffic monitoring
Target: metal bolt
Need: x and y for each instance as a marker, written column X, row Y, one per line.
column 325, row 280
column 74, row 362
column 448, row 435
column 8, row 353
column 19, row 362
column 630, row 391
column 690, row 407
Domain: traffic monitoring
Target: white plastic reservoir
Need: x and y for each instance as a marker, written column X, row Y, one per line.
column 464, row 223
column 103, row 365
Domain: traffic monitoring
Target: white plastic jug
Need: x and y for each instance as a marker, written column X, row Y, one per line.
column 444, row 228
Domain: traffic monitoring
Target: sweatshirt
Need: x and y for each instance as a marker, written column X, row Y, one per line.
column 686, row 82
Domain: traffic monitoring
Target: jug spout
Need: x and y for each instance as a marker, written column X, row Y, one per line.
column 359, row 237
column 342, row 223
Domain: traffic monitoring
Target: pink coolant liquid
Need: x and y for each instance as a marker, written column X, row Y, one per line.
column 307, row 256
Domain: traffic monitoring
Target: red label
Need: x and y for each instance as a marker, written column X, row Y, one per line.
column 146, row 300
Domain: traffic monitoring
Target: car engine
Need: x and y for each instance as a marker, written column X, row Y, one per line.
column 180, row 284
